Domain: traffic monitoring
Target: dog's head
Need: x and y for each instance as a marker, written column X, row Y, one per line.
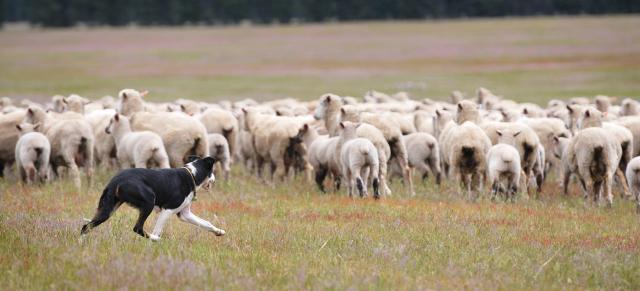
column 202, row 171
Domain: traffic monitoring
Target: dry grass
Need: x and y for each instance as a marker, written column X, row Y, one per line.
column 290, row 236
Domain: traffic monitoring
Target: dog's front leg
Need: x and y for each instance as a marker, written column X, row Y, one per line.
column 187, row 216
column 162, row 220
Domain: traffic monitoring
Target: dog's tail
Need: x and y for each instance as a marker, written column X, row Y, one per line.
column 106, row 206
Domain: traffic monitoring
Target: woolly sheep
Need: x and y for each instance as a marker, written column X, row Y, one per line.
column 424, row 154
column 9, row 137
column 219, row 149
column 359, row 159
column 221, row 122
column 140, row 149
column 633, row 178
column 71, row 139
column 622, row 135
column 75, row 103
column 467, row 148
column 503, row 170
column 32, row 154
column 104, row 146
column 629, row 107
column 593, row 156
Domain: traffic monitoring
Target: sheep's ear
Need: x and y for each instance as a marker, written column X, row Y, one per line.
column 124, row 96
column 144, row 93
column 30, row 111
column 499, row 132
column 343, row 111
column 517, row 133
column 182, row 107
column 117, row 117
column 36, row 126
column 525, row 111
column 587, row 113
column 328, row 98
column 244, row 110
column 459, row 107
column 570, row 108
column 304, row 128
column 19, row 127
column 64, row 100
column 278, row 113
column 556, row 140
column 341, row 125
column 358, row 125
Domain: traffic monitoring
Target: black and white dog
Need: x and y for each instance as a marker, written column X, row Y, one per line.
column 170, row 191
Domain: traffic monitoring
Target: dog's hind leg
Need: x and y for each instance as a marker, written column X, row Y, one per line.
column 187, row 216
column 160, row 222
column 144, row 214
column 107, row 205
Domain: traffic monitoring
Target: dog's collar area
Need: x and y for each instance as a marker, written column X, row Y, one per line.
column 193, row 179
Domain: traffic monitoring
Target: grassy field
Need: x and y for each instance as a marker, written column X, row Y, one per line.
column 291, row 236
column 532, row 59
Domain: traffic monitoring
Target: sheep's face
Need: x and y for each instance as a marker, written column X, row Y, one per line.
column 559, row 146
column 467, row 111
column 35, row 115
column 590, row 118
column 603, row 103
column 27, row 127
column 508, row 136
column 59, row 104
column 114, row 122
column 348, row 129
column 130, row 101
column 327, row 102
column 349, row 113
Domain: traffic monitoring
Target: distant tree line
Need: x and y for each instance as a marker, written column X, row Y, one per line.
column 63, row 13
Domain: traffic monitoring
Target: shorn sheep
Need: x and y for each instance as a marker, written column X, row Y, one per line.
column 504, row 165
column 140, row 149
column 359, row 160
column 633, row 178
column 32, row 154
column 424, row 155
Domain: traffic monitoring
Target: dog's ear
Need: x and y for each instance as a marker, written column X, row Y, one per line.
column 209, row 161
column 192, row 158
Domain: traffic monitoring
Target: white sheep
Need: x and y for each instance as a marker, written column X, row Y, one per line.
column 105, row 147
column 219, row 149
column 32, row 154
column 629, row 107
column 222, row 122
column 71, row 139
column 139, row 149
column 593, row 156
column 359, row 159
column 424, row 154
column 467, row 150
column 633, row 178
column 504, row 164
column 9, row 137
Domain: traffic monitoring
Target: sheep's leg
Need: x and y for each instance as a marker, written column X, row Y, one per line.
column 30, row 168
column 406, row 175
column 321, row 173
column 566, row 176
column 476, row 183
column 494, row 190
column 349, row 179
column 623, row 181
column 435, row 169
column 362, row 190
column 637, row 201
column 382, row 175
column 364, row 174
column 606, row 187
column 90, row 160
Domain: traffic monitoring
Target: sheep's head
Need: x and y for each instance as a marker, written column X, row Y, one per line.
column 467, row 111
column 130, row 101
column 456, row 96
column 348, row 129
column 75, row 103
column 27, row 127
column 507, row 136
column 590, row 118
column 328, row 102
column 441, row 119
column 629, row 107
column 117, row 121
column 349, row 113
column 35, row 115
column 559, row 146
column 603, row 102
column 59, row 104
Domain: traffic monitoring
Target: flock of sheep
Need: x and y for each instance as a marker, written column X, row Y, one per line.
column 486, row 139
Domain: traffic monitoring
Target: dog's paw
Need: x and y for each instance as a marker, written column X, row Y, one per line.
column 154, row 237
column 219, row 232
